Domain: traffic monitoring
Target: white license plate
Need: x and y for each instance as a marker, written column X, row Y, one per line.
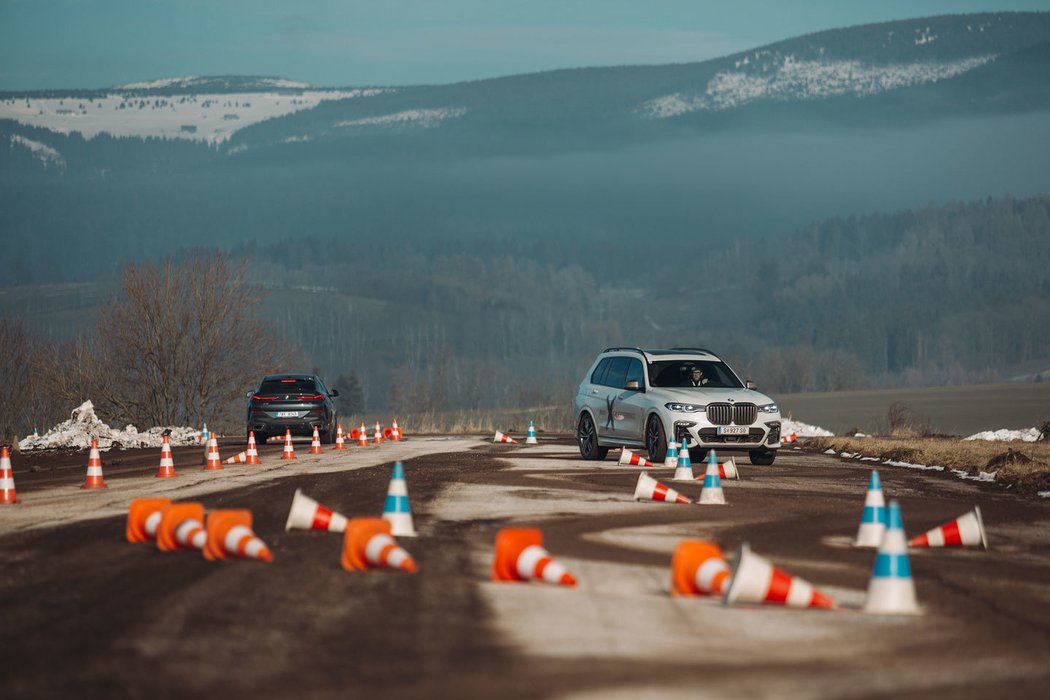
column 732, row 430
column 288, row 414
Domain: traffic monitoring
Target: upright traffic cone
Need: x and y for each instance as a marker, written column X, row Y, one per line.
column 755, row 580
column 698, row 568
column 144, row 518
column 308, row 514
column 239, row 458
column 891, row 590
column 212, row 461
column 289, row 450
column 395, row 431
column 340, row 441
column 362, row 436
column 315, row 443
column 631, row 459
column 711, row 493
column 684, row 469
column 671, row 458
column 8, row 496
column 252, row 453
column 204, row 433
column 367, row 544
column 181, row 527
column 873, row 519
column 530, row 437
column 520, row 556
column 396, row 509
column 94, row 478
column 966, row 530
column 377, row 437
column 167, row 466
column 500, row 437
column 229, row 534
column 649, row 489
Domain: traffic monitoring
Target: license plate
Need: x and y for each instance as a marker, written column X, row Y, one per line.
column 732, row 430
column 288, row 414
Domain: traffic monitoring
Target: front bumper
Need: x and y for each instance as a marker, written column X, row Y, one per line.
column 760, row 435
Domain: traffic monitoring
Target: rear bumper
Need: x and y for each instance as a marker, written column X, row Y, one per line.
column 278, row 426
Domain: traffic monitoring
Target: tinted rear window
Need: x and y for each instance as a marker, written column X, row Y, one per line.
column 288, row 386
column 599, row 371
column 617, row 375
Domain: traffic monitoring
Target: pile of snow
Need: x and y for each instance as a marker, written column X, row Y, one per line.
column 425, row 118
column 83, row 426
column 1004, row 435
column 803, row 430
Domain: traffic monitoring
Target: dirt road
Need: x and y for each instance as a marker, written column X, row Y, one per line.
column 86, row 614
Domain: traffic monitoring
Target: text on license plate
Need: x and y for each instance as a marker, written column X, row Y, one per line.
column 732, row 430
column 288, row 414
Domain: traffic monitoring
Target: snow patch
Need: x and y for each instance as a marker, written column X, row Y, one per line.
column 802, row 429
column 45, row 153
column 83, row 426
column 425, row 118
column 1005, row 435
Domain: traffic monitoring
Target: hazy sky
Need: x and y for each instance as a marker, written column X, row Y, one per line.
column 98, row 43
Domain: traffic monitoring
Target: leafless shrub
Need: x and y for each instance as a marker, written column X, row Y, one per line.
column 902, row 422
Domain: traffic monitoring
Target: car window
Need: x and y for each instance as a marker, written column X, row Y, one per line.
column 634, row 372
column 677, row 373
column 616, row 376
column 599, row 372
column 288, row 386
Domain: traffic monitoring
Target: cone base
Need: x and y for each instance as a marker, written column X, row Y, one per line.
column 10, row 501
column 94, row 486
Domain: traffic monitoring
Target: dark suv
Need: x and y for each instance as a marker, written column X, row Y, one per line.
column 296, row 402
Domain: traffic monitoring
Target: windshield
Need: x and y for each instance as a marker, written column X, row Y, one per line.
column 705, row 374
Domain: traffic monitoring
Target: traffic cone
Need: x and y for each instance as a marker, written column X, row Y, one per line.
column 395, row 431
column 711, row 493
column 315, row 443
column 755, row 580
column 181, row 527
column 684, row 469
column 7, row 480
column 340, row 442
column 630, row 458
column 308, row 514
column 698, row 568
column 530, row 437
column 520, row 556
column 966, row 530
column 500, row 437
column 377, row 437
column 239, row 458
column 728, row 470
column 167, row 466
column 212, row 461
column 252, row 454
column 204, row 433
column 144, row 518
column 891, row 590
column 229, row 534
column 671, row 458
column 367, row 544
column 649, row 489
column 289, row 450
column 396, row 509
column 94, row 478
column 362, row 437
column 873, row 519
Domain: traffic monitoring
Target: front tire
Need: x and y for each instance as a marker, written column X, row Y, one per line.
column 655, row 440
column 762, row 458
column 587, row 437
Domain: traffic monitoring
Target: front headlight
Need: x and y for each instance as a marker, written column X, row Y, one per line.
column 769, row 408
column 685, row 407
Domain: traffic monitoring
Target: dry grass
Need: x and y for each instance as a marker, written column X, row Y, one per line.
column 511, row 421
column 1026, row 465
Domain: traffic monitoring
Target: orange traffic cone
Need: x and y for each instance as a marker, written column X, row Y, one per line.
column 289, row 451
column 362, row 436
column 520, row 556
column 649, row 489
column 315, row 443
column 308, row 514
column 395, row 431
column 340, row 441
column 181, row 527
column 229, row 534
column 239, row 458
column 167, row 466
column 698, row 568
column 378, row 436
column 144, row 518
column 252, row 453
column 94, row 478
column 755, row 580
column 367, row 544
column 966, row 530
column 212, row 461
column 500, row 437
column 630, row 458
column 7, row 480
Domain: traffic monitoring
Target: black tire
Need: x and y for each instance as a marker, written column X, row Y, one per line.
column 655, row 440
column 587, row 437
column 762, row 458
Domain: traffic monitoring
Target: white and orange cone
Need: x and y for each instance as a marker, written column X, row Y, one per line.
column 252, row 453
column 520, row 556
column 308, row 514
column 230, row 535
column 367, row 544
column 965, row 531
column 755, row 580
column 212, row 462
column 377, row 437
column 395, row 432
column 711, row 493
column 315, row 443
column 144, row 518
column 500, row 437
column 629, row 458
column 289, row 450
column 362, row 436
column 684, row 469
column 167, row 465
column 873, row 519
column 891, row 590
column 239, row 458
column 649, row 489
column 728, row 470
column 94, row 478
column 181, row 527
column 8, row 496
column 340, row 441
column 698, row 568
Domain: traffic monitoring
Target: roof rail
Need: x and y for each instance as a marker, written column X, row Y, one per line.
column 704, row 350
column 638, row 350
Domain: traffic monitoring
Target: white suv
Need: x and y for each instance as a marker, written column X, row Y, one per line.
column 641, row 398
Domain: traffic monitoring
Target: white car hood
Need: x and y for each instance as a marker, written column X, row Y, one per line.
column 706, row 396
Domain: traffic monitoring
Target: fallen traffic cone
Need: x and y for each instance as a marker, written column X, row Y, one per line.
column 649, row 489
column 362, row 436
column 728, row 470
column 377, row 437
column 520, row 556
column 230, row 535
column 966, row 530
column 711, row 493
column 671, row 459
column 530, row 437
column 755, row 580
column 396, row 509
column 873, row 519
column 8, row 496
column 239, row 458
column 167, row 466
column 181, row 527
column 500, row 437
column 340, row 442
column 252, row 454
column 630, row 458
column 368, row 544
column 891, row 590
column 308, row 514
column 315, row 443
column 94, row 478
column 684, row 469
column 212, row 461
column 289, row 450
column 698, row 568
column 144, row 518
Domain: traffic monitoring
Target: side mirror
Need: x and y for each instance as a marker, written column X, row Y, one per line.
column 633, row 385
column 333, row 393
column 750, row 384
column 249, row 394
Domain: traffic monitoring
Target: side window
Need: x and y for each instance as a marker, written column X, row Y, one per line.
column 599, row 372
column 616, row 377
column 634, row 372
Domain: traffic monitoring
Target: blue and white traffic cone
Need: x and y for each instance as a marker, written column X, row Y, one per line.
column 891, row 590
column 684, row 470
column 671, row 459
column 204, row 433
column 711, row 493
column 873, row 521
column 530, row 439
column 396, row 508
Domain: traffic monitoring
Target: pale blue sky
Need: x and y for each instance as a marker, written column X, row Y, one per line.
column 98, row 43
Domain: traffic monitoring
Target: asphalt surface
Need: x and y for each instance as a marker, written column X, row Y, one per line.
column 87, row 614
